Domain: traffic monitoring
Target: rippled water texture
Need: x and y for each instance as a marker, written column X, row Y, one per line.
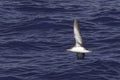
column 34, row 36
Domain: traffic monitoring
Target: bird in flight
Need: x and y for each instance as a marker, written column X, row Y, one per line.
column 78, row 47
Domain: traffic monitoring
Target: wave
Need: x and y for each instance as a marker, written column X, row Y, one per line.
column 10, row 78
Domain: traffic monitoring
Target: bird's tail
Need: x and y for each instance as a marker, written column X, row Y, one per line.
column 80, row 55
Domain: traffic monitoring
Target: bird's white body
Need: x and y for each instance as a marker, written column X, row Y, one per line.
column 78, row 48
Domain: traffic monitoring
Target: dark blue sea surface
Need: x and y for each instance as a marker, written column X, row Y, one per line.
column 34, row 36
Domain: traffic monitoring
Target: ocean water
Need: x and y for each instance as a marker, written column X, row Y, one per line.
column 34, row 36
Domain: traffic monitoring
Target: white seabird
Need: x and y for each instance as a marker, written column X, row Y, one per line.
column 78, row 48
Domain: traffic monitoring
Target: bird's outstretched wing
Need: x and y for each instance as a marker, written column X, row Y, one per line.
column 77, row 35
